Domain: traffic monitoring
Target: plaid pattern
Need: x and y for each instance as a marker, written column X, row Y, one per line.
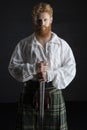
column 54, row 118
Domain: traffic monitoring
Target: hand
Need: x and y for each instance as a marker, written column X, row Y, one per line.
column 41, row 70
column 41, row 67
column 42, row 76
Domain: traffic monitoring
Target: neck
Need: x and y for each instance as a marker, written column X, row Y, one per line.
column 43, row 40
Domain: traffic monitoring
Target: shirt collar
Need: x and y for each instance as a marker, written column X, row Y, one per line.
column 54, row 39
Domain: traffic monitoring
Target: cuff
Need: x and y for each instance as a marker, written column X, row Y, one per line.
column 50, row 75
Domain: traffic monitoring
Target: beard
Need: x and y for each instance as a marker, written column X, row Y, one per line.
column 42, row 31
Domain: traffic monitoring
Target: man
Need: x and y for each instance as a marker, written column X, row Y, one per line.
column 43, row 57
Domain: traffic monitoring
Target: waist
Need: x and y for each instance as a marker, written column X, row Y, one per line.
column 48, row 85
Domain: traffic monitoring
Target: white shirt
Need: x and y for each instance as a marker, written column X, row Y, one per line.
column 58, row 54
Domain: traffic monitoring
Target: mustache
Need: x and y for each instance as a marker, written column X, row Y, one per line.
column 40, row 26
column 42, row 29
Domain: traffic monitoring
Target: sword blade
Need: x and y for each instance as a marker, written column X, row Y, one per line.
column 42, row 95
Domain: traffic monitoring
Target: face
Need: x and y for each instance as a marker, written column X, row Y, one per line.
column 43, row 24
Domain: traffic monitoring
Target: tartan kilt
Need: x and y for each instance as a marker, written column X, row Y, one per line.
column 28, row 118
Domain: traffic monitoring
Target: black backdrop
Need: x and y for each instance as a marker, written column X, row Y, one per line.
column 69, row 23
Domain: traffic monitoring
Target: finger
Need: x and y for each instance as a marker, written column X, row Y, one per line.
column 45, row 68
column 45, row 63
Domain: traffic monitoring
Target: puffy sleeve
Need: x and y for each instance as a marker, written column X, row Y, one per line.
column 64, row 74
column 18, row 67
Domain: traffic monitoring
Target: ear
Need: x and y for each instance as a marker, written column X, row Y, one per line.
column 51, row 19
column 34, row 20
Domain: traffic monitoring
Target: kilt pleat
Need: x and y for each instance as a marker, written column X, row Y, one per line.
column 54, row 118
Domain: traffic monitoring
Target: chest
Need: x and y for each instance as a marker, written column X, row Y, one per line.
column 51, row 54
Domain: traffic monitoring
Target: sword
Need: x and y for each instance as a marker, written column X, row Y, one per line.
column 42, row 95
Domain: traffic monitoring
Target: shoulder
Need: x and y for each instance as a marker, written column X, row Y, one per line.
column 60, row 41
column 27, row 39
column 25, row 42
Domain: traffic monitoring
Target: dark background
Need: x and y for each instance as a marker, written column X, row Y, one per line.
column 69, row 23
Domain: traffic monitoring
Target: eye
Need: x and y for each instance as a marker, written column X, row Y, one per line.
column 39, row 21
column 45, row 19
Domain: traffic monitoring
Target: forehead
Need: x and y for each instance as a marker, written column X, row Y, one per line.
column 43, row 15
